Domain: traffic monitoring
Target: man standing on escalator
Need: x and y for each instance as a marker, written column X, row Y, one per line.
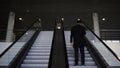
column 77, row 41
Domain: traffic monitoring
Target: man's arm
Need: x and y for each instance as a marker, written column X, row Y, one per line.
column 71, row 38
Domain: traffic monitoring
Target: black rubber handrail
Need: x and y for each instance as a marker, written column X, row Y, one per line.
column 66, row 56
column 103, row 42
column 50, row 60
column 58, row 47
column 16, row 40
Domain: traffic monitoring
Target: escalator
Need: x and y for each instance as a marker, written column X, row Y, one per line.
column 38, row 55
column 89, row 61
column 50, row 50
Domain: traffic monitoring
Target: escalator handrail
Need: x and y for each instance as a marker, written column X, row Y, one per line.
column 16, row 40
column 66, row 56
column 102, row 42
column 51, row 52
column 19, row 58
column 50, row 58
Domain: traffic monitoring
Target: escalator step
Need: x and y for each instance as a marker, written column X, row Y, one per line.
column 41, row 45
column 38, row 54
column 72, row 55
column 37, row 57
column 34, row 65
column 87, row 63
column 86, row 59
column 70, row 48
column 35, row 61
column 39, row 51
column 83, row 67
column 40, row 48
column 71, row 51
column 45, row 44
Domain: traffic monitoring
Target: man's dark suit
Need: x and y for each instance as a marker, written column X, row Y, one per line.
column 77, row 37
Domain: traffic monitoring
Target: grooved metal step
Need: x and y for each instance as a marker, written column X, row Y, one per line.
column 86, row 58
column 39, row 51
column 69, row 48
column 83, row 66
column 87, row 63
column 71, row 51
column 38, row 55
column 40, row 48
column 34, row 65
column 72, row 55
column 26, row 61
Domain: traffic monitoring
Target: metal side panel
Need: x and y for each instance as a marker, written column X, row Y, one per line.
column 106, row 55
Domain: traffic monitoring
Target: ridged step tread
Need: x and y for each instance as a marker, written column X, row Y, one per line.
column 40, row 48
column 42, row 45
column 37, row 57
column 71, row 48
column 86, row 59
column 38, row 54
column 35, row 61
column 87, row 63
column 39, row 51
column 83, row 67
column 72, row 55
column 34, row 66
column 70, row 51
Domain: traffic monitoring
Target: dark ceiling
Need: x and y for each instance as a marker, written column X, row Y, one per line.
column 48, row 10
column 61, row 5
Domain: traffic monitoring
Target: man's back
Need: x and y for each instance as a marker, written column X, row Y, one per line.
column 78, row 33
column 78, row 42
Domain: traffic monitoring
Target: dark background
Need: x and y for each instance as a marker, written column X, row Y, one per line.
column 49, row 10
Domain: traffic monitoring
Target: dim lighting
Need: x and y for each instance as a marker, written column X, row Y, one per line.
column 39, row 19
column 27, row 11
column 58, row 27
column 103, row 19
column 62, row 19
column 119, row 58
column 26, row 33
column 20, row 19
column 78, row 19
